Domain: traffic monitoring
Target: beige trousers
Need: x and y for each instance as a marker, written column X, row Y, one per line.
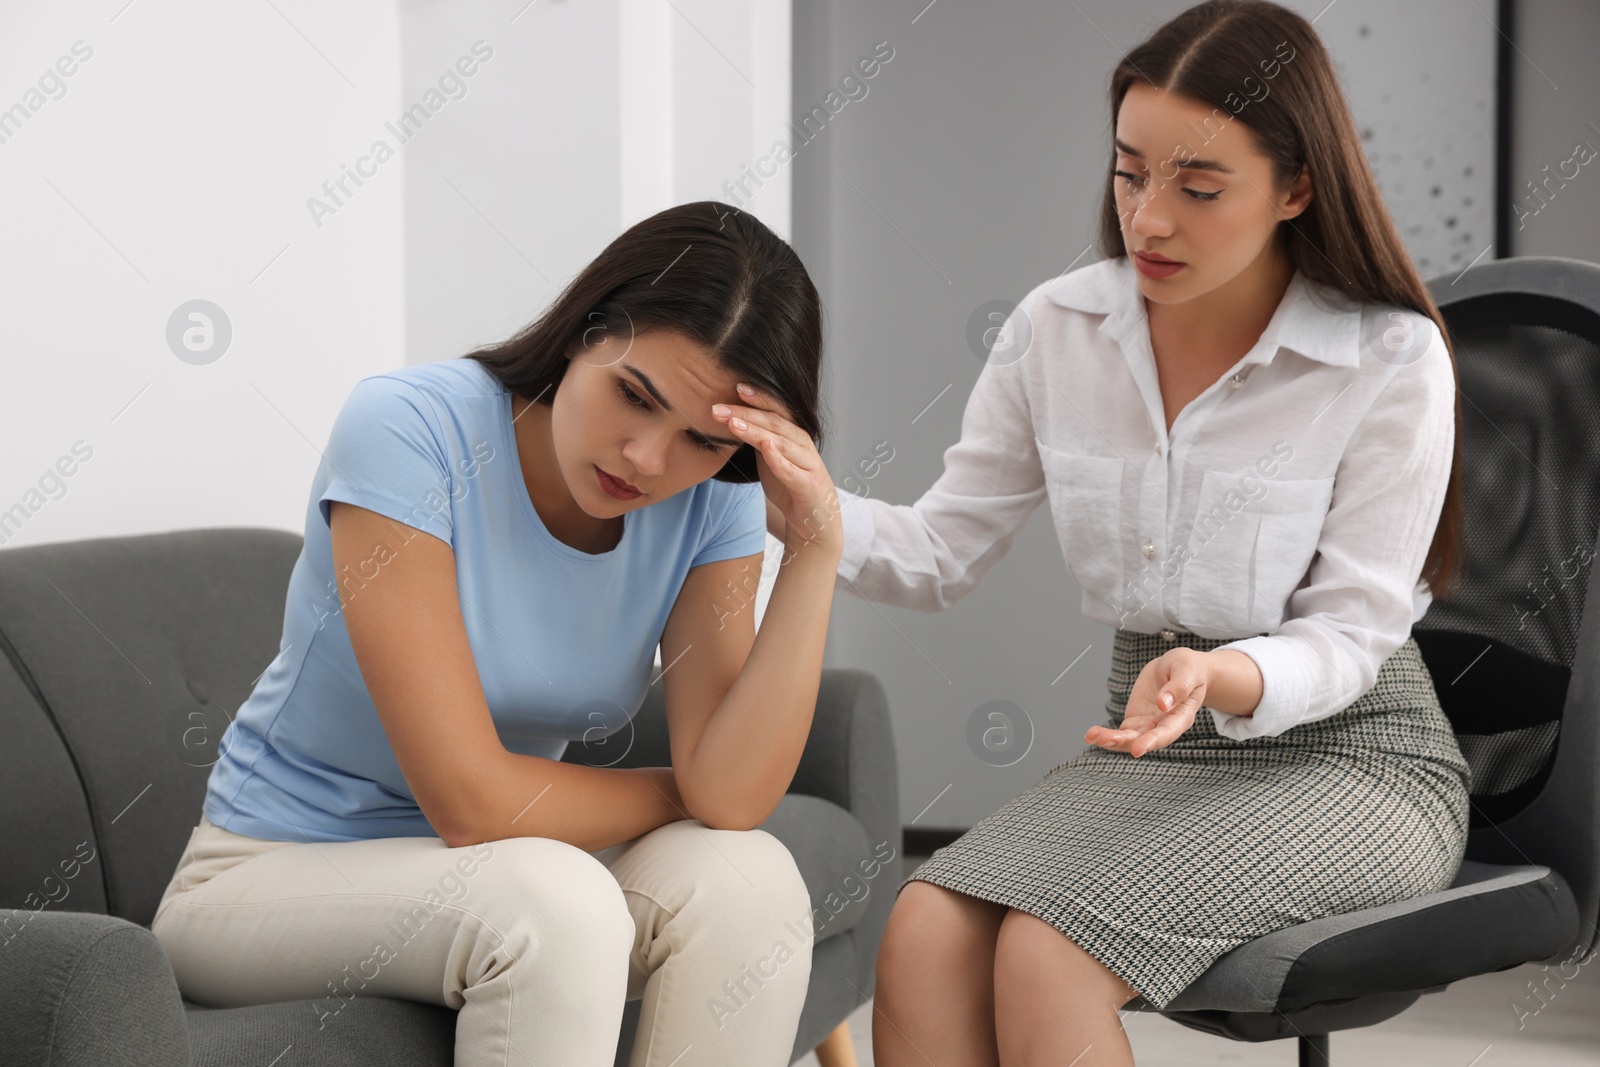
column 536, row 942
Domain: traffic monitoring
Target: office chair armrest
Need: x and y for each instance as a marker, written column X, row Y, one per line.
column 84, row 990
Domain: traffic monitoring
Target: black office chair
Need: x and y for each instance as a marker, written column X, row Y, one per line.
column 1517, row 667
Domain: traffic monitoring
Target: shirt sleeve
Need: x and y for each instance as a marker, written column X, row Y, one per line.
column 384, row 454
column 930, row 554
column 1357, row 607
column 741, row 525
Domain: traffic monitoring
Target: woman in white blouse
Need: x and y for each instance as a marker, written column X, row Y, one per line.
column 1244, row 419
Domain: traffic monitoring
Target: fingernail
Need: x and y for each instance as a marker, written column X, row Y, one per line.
column 746, row 390
column 739, row 424
column 720, row 409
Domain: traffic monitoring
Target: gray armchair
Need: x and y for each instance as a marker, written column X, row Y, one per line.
column 123, row 659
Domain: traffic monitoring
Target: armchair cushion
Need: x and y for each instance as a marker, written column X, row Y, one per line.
column 87, row 989
column 366, row 1032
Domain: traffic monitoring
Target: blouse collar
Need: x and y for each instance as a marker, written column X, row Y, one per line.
column 1314, row 320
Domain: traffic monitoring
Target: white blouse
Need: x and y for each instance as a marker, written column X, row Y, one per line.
column 1291, row 507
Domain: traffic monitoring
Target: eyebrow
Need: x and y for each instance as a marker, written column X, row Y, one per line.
column 650, row 387
column 1193, row 164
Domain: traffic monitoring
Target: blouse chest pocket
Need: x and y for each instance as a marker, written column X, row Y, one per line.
column 1246, row 556
column 1086, row 506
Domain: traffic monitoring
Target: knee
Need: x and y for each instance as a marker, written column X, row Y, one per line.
column 912, row 921
column 1030, row 952
column 758, row 880
column 749, row 890
column 564, row 895
column 933, row 927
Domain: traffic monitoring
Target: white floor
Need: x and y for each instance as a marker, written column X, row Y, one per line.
column 1472, row 1024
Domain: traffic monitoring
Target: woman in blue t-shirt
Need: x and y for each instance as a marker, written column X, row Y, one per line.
column 495, row 547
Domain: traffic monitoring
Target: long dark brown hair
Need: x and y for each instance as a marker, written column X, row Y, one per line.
column 706, row 270
column 1213, row 53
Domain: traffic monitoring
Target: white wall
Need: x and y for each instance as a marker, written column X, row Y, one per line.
column 585, row 119
column 185, row 157
column 175, row 164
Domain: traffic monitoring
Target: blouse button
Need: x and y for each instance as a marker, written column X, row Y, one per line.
column 1169, row 635
column 1236, row 381
column 1149, row 549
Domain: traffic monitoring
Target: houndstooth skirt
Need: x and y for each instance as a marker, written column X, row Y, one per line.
column 1156, row 866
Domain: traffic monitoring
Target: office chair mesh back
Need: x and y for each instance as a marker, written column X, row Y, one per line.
column 1500, row 647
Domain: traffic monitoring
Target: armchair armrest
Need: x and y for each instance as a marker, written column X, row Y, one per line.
column 83, row 990
column 849, row 758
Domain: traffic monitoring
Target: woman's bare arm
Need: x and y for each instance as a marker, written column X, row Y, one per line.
column 740, row 703
column 740, row 715
column 410, row 640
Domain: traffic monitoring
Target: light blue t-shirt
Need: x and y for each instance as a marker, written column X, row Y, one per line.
column 564, row 640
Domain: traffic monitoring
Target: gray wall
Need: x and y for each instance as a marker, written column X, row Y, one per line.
column 971, row 172
column 1556, row 107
